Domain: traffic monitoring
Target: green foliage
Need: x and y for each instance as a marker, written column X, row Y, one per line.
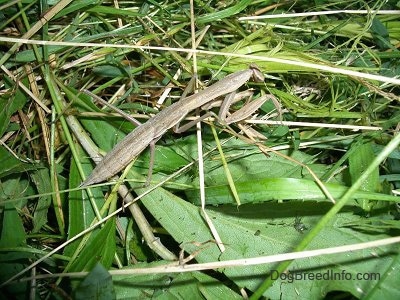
column 97, row 285
column 46, row 141
column 193, row 285
column 10, row 104
column 100, row 249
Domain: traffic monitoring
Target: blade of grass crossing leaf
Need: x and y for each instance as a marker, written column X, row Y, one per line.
column 111, row 200
column 391, row 146
column 226, row 168
column 100, row 249
column 358, row 162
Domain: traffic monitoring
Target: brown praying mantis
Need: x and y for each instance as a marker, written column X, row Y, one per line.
column 148, row 133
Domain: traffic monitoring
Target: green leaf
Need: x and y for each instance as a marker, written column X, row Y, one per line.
column 268, row 189
column 12, row 229
column 259, row 178
column 380, row 33
column 269, row 228
column 222, row 14
column 108, row 10
column 380, row 223
column 213, row 289
column 26, row 56
column 360, row 158
column 17, row 290
column 99, row 249
column 78, row 206
column 10, row 103
column 97, row 285
column 387, row 287
column 41, row 179
column 166, row 160
column 110, row 71
column 183, row 286
column 76, row 6
column 11, row 165
column 141, row 286
column 194, row 285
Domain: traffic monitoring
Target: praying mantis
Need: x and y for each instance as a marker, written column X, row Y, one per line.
column 148, row 133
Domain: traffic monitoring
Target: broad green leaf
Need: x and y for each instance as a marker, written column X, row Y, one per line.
column 12, row 229
column 166, row 160
column 258, row 229
column 99, row 249
column 259, row 178
column 212, row 289
column 96, row 285
column 359, row 161
column 10, row 103
column 41, row 179
column 11, row 165
column 247, row 163
column 13, row 235
column 194, row 285
column 141, row 286
column 183, row 286
column 80, row 210
column 268, row 189
column 110, row 71
column 387, row 287
column 380, row 34
column 26, row 56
